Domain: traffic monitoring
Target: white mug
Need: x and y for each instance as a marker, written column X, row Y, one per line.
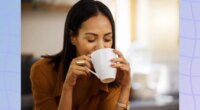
column 101, row 60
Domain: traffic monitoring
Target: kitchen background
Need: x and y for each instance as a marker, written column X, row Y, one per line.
column 147, row 32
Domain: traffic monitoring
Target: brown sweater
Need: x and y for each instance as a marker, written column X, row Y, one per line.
column 47, row 87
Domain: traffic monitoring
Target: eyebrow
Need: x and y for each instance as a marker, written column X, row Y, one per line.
column 90, row 33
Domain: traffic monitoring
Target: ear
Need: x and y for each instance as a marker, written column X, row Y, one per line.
column 73, row 40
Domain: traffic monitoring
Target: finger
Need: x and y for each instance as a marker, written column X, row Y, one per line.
column 121, row 66
column 88, row 64
column 116, row 60
column 86, row 59
column 81, row 68
column 118, row 53
column 79, row 72
column 89, row 55
column 84, row 73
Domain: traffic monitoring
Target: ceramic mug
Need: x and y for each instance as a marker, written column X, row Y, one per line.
column 101, row 60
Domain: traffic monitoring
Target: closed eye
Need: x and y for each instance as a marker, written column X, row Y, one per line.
column 108, row 38
column 91, row 41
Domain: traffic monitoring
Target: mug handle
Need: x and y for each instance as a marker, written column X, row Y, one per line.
column 93, row 73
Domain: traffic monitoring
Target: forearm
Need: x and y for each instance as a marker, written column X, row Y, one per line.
column 66, row 98
column 123, row 98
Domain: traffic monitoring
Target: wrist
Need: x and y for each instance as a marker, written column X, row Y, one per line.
column 127, row 87
column 122, row 105
column 67, row 86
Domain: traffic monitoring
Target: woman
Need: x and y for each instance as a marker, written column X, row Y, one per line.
column 61, row 82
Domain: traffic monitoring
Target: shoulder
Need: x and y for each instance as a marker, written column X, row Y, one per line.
column 42, row 69
column 41, row 63
column 43, row 81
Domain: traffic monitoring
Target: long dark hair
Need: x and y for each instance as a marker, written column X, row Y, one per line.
column 80, row 12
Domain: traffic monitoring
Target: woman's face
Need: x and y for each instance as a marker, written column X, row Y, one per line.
column 95, row 33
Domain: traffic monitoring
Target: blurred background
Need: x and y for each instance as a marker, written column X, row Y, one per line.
column 147, row 32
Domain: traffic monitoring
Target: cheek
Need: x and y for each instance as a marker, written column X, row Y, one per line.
column 87, row 47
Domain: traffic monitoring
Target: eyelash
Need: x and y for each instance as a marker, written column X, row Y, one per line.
column 91, row 41
column 106, row 40
column 94, row 40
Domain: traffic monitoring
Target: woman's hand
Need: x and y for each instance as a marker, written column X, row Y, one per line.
column 123, row 70
column 76, row 69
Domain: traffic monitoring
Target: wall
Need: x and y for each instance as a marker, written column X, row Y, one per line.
column 42, row 32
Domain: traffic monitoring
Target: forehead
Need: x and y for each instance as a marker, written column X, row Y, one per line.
column 99, row 22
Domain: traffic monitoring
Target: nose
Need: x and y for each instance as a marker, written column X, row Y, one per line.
column 100, row 45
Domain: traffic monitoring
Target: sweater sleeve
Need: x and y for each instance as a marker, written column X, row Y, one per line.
column 42, row 89
column 109, row 103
